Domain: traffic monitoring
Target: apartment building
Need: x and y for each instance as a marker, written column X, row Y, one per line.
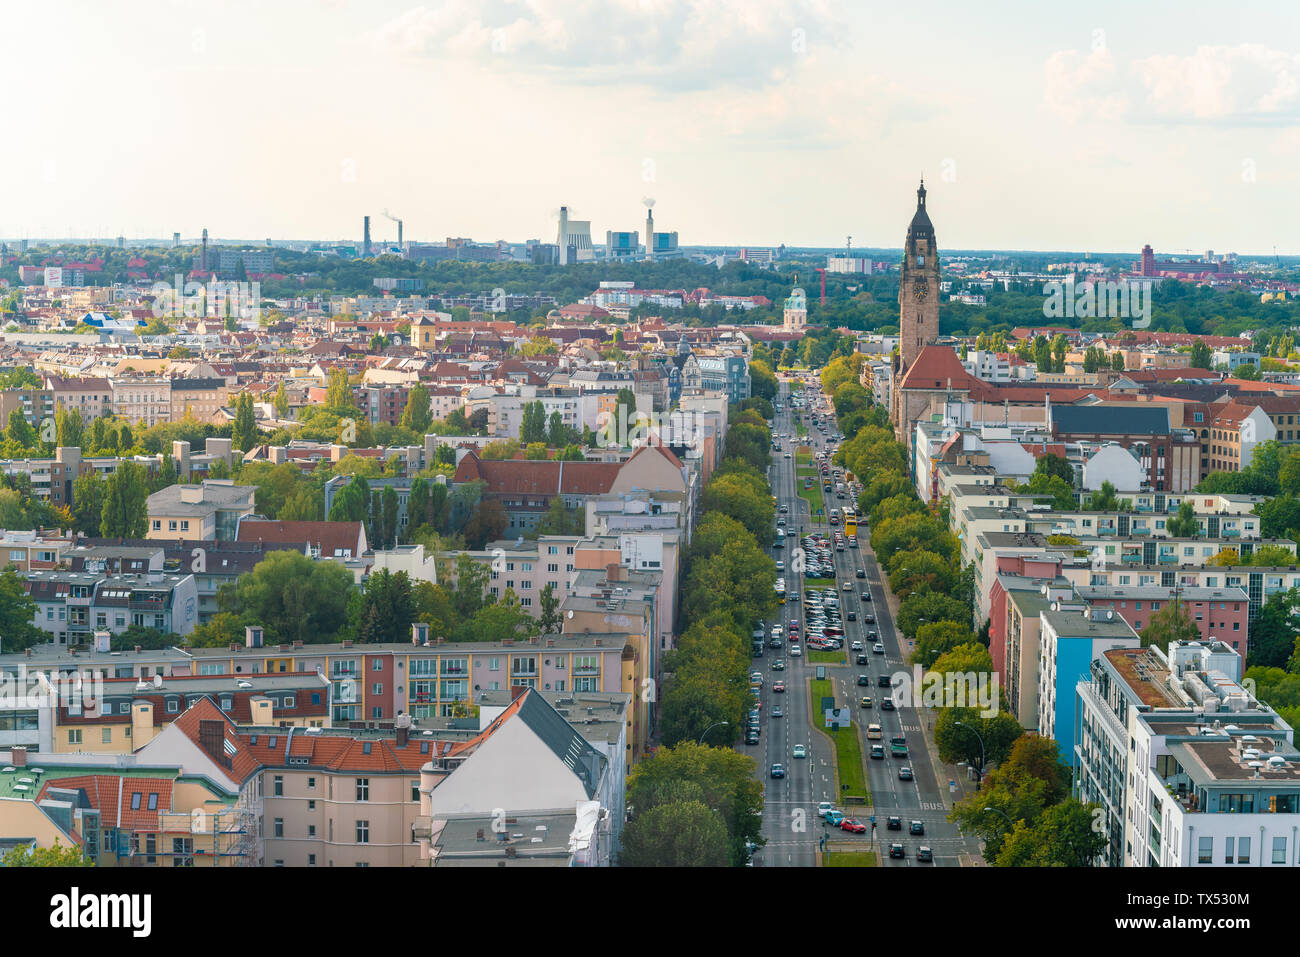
column 209, row 511
column 1071, row 637
column 1258, row 582
column 90, row 397
column 1221, row 614
column 143, row 400
column 71, row 606
column 36, row 406
column 200, row 399
column 31, row 551
column 1190, row 769
column 527, row 567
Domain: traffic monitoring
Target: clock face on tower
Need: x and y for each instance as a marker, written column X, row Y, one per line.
column 920, row 290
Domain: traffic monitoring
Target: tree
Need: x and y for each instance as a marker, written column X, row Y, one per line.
column 338, row 390
column 926, row 607
column 1042, row 354
column 88, row 492
column 1279, row 517
column 1273, row 633
column 549, row 621
column 739, row 579
column 920, row 570
column 745, row 500
column 1171, row 623
column 726, row 782
column 487, row 524
column 536, row 452
column 293, row 597
column 1117, row 361
column 1183, row 524
column 1061, row 491
column 1063, row 837
column 556, row 433
column 386, row 608
column 244, row 432
column 20, row 431
column 124, row 512
column 936, row 638
column 281, row 401
column 56, row 856
column 912, row 532
column 1201, row 356
column 532, row 426
column 678, row 834
column 418, row 414
column 1051, row 464
column 69, row 427
column 17, row 614
column 1104, row 499
column 1060, row 345
column 1270, row 556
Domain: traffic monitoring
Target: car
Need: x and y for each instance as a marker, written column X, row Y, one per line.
column 864, row 681
column 775, row 643
column 778, row 771
column 823, row 807
column 756, row 678
column 882, row 681
column 865, row 702
column 852, row 616
column 847, row 586
column 862, row 658
column 862, row 573
column 778, row 688
column 780, row 566
column 777, row 712
column 878, row 648
column 853, row 543
column 751, row 737
column 866, row 596
column 834, row 817
column 869, row 619
column 800, row 751
column 886, row 704
column 904, row 774
column 785, row 509
column 878, row 752
column 778, row 664
column 897, row 850
column 856, row 646
column 787, row 455
column 924, row 855
column 894, row 823
column 852, row 826
column 916, row 827
column 795, row 652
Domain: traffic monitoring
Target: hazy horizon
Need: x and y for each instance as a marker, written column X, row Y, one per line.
column 749, row 123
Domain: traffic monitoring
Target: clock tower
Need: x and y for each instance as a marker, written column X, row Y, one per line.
column 918, row 289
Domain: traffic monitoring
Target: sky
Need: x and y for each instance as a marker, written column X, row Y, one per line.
column 748, row 122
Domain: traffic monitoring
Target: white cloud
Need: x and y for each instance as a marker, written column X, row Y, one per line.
column 671, row 44
column 1245, row 84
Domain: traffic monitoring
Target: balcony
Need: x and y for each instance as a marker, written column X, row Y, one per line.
column 1229, row 533
column 592, row 671
column 1167, row 560
column 1105, row 529
column 1132, row 558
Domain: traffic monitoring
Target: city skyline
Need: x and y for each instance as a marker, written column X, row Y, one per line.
column 796, row 124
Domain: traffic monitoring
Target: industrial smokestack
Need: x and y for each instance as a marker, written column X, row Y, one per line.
column 365, row 242
column 203, row 254
column 649, row 234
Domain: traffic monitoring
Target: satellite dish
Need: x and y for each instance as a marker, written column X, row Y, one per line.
column 570, row 612
column 157, row 681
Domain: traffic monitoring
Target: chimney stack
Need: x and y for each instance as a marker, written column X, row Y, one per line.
column 18, row 757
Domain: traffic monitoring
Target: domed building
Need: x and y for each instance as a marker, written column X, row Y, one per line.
column 796, row 311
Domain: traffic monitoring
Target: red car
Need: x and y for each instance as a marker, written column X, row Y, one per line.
column 853, row 827
column 778, row 688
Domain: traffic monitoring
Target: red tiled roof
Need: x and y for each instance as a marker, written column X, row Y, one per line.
column 104, row 790
column 542, row 477
column 331, row 537
column 937, row 367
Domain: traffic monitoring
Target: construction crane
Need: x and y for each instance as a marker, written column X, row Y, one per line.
column 822, row 301
column 399, row 225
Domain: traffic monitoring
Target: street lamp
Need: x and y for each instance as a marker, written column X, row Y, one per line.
column 716, row 724
column 1005, row 816
column 979, row 774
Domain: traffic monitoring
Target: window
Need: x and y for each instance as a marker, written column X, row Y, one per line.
column 1279, row 850
column 363, row 832
column 1227, row 850
column 135, row 801
column 311, row 784
column 74, row 736
column 105, row 735
column 277, row 785
column 311, row 860
column 415, row 790
column 279, row 827
column 376, row 688
column 1243, row 850
column 363, row 789
column 377, row 665
column 1206, row 851
column 183, row 852
column 152, row 804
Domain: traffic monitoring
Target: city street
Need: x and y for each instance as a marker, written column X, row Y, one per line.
column 793, row 838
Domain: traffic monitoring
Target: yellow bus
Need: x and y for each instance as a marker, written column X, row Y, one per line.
column 850, row 521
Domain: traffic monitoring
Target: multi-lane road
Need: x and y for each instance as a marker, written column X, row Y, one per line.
column 790, row 822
